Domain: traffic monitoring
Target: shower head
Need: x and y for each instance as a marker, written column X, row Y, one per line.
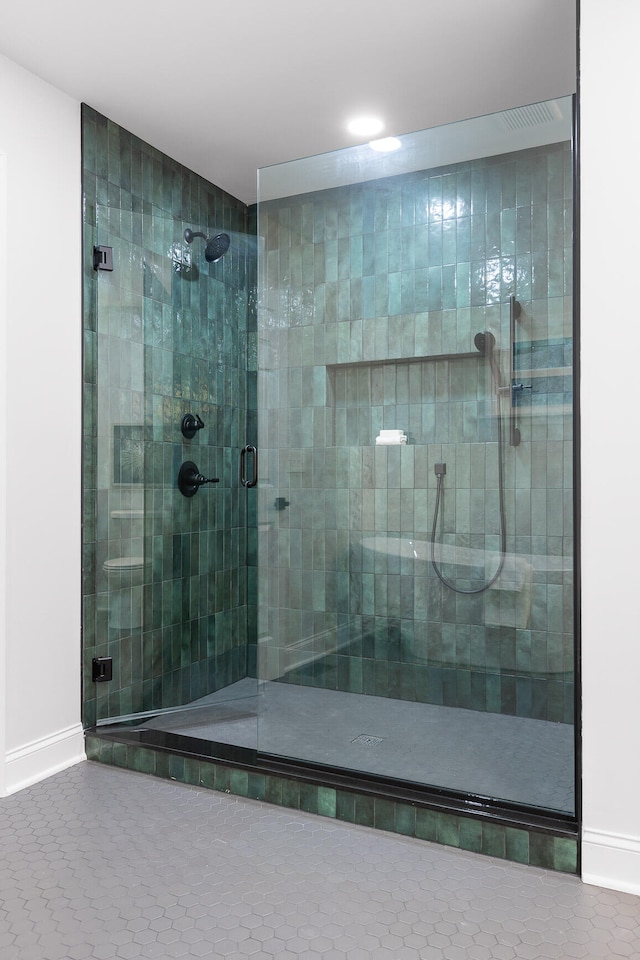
column 216, row 246
column 484, row 342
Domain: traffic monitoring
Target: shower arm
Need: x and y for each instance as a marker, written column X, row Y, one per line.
column 190, row 235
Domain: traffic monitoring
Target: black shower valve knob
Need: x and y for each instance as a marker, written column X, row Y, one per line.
column 190, row 424
column 190, row 479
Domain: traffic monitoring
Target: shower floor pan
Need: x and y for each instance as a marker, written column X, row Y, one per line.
column 512, row 759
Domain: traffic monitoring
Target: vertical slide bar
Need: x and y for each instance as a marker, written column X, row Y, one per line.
column 514, row 313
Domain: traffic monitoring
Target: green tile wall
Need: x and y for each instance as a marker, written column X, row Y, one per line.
column 358, row 282
column 517, row 844
column 164, row 334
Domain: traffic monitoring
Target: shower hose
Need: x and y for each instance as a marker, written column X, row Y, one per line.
column 503, row 531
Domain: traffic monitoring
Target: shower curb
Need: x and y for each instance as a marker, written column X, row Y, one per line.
column 544, row 845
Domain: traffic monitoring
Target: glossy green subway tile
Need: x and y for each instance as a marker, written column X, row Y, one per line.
column 327, row 801
column 447, row 829
column 494, row 840
column 364, row 810
column 426, row 824
column 308, row 798
column 405, row 819
column 273, row 790
column 291, row 794
column 384, row 814
column 177, row 768
column 239, row 784
column 191, row 771
column 207, row 775
column 120, row 755
column 565, row 854
column 223, row 779
column 470, row 835
column 106, row 752
column 92, row 747
column 516, row 845
column 541, row 851
column 345, row 806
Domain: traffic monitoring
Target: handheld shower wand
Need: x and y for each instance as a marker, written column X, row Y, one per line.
column 484, row 343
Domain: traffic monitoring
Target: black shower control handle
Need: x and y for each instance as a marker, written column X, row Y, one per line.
column 190, row 479
column 198, row 479
column 190, row 424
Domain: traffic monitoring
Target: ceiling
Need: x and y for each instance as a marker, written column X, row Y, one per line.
column 226, row 88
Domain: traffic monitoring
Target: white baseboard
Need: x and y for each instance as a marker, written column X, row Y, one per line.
column 611, row 860
column 40, row 759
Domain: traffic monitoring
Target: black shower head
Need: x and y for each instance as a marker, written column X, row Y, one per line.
column 484, row 342
column 216, row 246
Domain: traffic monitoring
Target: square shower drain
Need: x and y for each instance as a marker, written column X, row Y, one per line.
column 366, row 741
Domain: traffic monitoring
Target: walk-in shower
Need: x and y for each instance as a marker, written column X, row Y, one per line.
column 385, row 608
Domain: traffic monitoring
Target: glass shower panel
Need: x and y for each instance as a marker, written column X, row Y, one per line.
column 169, row 590
column 415, row 326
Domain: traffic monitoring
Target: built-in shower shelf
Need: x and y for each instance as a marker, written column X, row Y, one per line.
column 547, row 411
column 394, row 361
column 544, row 372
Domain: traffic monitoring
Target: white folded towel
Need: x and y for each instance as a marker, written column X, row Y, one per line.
column 391, row 436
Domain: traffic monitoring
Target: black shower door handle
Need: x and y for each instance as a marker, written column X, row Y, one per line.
column 244, row 480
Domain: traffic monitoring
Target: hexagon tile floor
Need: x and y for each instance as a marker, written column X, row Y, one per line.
column 98, row 862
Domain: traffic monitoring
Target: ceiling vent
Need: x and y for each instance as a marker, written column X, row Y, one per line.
column 531, row 116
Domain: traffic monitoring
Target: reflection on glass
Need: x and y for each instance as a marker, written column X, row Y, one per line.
column 415, row 514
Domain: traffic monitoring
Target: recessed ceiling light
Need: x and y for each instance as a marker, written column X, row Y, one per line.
column 385, row 145
column 365, row 126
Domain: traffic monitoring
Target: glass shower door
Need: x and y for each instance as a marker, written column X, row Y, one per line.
column 166, row 604
column 416, row 498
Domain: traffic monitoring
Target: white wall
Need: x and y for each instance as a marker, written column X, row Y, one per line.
column 40, row 429
column 610, row 435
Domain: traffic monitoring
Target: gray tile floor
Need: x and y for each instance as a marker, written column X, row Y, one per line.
column 98, row 862
column 511, row 758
